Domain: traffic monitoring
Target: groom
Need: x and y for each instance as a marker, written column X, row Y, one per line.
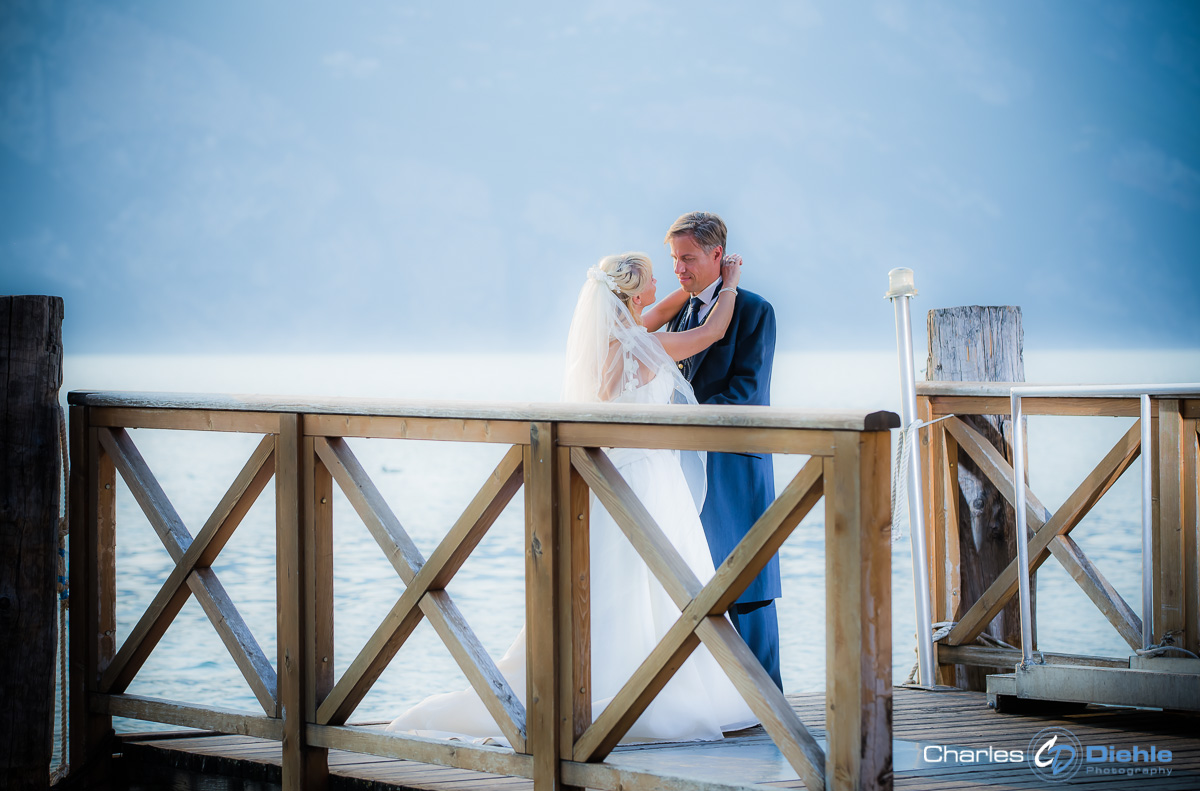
column 734, row 370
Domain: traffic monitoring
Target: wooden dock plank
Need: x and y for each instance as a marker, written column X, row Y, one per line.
column 954, row 718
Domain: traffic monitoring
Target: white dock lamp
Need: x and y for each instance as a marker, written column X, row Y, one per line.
column 900, row 290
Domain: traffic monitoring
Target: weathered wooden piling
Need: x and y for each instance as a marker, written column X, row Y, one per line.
column 31, row 355
column 977, row 344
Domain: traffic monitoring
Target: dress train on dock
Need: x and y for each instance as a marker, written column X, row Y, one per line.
column 630, row 613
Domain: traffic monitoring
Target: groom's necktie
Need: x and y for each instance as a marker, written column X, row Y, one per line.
column 691, row 320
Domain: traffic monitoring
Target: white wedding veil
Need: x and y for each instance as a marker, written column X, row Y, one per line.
column 610, row 356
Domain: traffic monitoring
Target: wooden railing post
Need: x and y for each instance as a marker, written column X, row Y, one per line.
column 318, row 562
column 575, row 657
column 31, row 355
column 858, row 613
column 93, row 596
column 939, row 475
column 544, row 636
column 1191, row 531
column 1169, row 545
column 304, row 767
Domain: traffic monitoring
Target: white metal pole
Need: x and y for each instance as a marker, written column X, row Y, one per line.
column 901, row 289
column 1022, row 536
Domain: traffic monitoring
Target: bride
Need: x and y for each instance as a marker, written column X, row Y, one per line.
column 615, row 354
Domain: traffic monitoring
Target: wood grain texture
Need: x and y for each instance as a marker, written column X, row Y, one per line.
column 236, row 636
column 996, row 469
column 988, row 656
column 101, row 554
column 79, row 572
column 31, row 356
column 708, row 607
column 201, row 581
column 1069, row 514
column 1002, row 405
column 290, row 506
column 140, row 707
column 1097, row 587
column 940, row 479
column 1190, row 444
column 462, row 755
column 574, row 593
column 1168, row 552
column 734, row 764
column 975, row 343
column 186, row 419
column 211, row 539
column 424, row 594
column 527, row 412
column 858, row 623
column 768, row 703
column 146, row 490
column 318, row 670
column 665, row 563
column 371, row 507
column 477, row 665
column 543, row 624
column 508, row 432
column 807, row 442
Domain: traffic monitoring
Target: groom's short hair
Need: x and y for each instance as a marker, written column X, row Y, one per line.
column 705, row 227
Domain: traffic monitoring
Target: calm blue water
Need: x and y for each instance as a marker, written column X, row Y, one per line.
column 428, row 484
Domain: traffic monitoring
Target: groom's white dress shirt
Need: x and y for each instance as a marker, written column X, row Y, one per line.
column 708, row 298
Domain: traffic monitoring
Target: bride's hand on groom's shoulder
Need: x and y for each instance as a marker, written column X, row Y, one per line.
column 731, row 270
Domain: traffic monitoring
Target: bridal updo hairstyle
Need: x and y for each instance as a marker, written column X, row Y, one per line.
column 631, row 272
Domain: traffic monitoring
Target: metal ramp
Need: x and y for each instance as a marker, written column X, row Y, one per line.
column 1149, row 682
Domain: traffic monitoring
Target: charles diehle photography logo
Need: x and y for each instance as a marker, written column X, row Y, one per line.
column 1055, row 754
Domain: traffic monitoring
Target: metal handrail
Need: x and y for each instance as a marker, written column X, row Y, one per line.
column 1143, row 392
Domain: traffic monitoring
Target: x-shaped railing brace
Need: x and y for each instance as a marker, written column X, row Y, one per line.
column 1050, row 534
column 703, row 614
column 192, row 573
column 424, row 594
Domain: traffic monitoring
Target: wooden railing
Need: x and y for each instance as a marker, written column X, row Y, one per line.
column 1175, row 558
column 555, row 455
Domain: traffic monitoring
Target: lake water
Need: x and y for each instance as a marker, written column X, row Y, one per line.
column 427, row 485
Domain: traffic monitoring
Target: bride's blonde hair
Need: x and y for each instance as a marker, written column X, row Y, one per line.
column 631, row 272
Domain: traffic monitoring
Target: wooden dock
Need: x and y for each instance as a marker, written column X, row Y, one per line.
column 953, row 718
column 556, row 457
column 846, row 741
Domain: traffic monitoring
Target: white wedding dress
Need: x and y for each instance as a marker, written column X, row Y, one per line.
column 612, row 358
column 630, row 614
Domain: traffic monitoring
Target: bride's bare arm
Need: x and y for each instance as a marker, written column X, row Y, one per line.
column 681, row 345
column 661, row 312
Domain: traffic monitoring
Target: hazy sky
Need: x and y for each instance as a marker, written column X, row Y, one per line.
column 370, row 176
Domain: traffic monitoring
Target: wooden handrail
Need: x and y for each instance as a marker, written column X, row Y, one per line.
column 988, row 389
column 1175, row 461
column 525, row 412
column 555, row 457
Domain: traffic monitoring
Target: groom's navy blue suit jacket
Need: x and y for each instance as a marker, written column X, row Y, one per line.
column 737, row 370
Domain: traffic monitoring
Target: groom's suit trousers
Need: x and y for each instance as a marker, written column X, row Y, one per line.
column 737, row 370
column 758, row 625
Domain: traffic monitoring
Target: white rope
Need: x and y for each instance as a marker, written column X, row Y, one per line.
column 63, row 600
column 943, row 628
column 900, row 471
